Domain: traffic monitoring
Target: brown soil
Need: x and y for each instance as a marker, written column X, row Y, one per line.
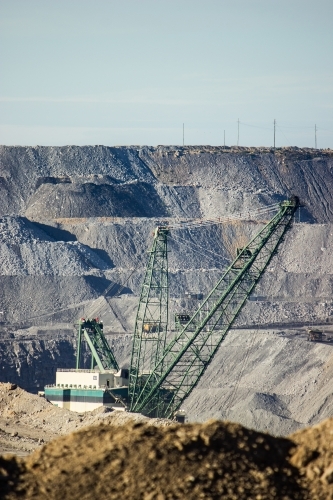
column 128, row 456
column 314, row 457
column 137, row 461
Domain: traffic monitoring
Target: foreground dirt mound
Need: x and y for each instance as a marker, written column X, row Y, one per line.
column 314, row 457
column 136, row 461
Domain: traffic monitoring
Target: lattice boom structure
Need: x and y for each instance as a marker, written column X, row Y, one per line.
column 162, row 376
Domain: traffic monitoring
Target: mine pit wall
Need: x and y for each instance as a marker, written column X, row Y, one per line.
column 297, row 289
column 60, row 182
column 297, row 286
column 284, row 384
column 31, row 362
column 57, row 259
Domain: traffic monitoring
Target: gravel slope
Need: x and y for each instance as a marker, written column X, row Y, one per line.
column 73, row 181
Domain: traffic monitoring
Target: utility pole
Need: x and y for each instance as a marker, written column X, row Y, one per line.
column 238, row 133
column 224, row 140
column 274, row 131
column 315, row 136
column 183, row 135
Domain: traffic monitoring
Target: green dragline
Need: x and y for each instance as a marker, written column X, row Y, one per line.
column 164, row 372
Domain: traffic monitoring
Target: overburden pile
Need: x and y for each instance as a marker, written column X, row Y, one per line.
column 211, row 461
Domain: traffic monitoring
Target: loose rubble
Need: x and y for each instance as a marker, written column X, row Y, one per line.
column 27, row 421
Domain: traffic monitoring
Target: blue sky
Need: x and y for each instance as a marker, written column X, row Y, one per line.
column 120, row 72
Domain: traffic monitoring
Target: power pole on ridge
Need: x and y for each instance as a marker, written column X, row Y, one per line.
column 238, row 133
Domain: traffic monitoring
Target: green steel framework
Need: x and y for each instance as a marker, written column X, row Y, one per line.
column 163, row 387
column 101, row 353
column 151, row 323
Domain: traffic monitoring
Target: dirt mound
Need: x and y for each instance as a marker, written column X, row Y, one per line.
column 27, row 421
column 314, row 456
column 90, row 200
column 136, row 461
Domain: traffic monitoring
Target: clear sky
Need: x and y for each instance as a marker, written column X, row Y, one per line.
column 120, row 72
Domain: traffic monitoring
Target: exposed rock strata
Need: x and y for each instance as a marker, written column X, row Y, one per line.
column 75, row 243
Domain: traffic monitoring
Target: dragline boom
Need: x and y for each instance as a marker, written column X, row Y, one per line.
column 159, row 388
column 101, row 353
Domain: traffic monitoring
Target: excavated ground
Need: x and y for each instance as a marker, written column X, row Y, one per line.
column 75, row 227
column 141, row 462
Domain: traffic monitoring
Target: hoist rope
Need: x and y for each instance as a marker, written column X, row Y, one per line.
column 91, row 312
column 202, row 251
column 222, row 220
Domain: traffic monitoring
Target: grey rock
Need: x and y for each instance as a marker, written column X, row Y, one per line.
column 75, row 227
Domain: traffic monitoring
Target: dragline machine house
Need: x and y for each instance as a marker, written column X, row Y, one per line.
column 165, row 368
column 82, row 389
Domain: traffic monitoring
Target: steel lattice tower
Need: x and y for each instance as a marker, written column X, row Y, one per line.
column 152, row 318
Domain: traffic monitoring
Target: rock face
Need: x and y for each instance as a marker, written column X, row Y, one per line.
column 32, row 361
column 75, row 227
column 71, row 181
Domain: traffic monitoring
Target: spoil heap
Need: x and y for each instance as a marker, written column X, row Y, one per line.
column 211, row 461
